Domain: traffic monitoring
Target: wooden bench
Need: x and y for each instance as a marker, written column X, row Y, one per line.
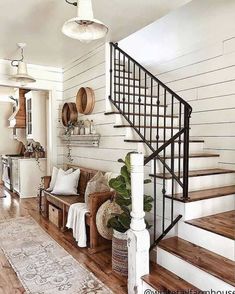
column 96, row 241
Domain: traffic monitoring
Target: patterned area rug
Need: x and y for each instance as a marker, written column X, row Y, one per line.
column 41, row 264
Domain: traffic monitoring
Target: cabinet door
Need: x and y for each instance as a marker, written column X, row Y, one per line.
column 29, row 120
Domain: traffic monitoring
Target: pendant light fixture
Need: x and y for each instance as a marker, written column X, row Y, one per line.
column 84, row 27
column 22, row 73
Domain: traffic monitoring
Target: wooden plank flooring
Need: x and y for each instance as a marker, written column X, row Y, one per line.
column 198, row 173
column 204, row 259
column 206, row 194
column 163, row 280
column 99, row 264
column 221, row 223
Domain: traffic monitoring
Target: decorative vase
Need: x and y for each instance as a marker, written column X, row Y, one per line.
column 120, row 253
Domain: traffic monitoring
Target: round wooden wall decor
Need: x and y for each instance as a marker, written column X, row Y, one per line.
column 85, row 100
column 69, row 113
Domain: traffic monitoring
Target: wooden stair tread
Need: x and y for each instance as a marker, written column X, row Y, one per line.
column 163, row 280
column 141, row 114
column 212, row 263
column 195, row 155
column 222, row 224
column 146, row 127
column 197, row 173
column 206, row 194
column 160, row 141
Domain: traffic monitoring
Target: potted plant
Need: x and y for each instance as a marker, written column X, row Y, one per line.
column 120, row 222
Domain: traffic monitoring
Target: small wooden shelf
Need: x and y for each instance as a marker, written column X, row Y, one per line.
column 82, row 140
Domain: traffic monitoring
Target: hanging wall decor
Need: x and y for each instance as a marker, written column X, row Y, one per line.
column 69, row 114
column 85, row 100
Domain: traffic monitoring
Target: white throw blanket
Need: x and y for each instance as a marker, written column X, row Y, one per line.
column 76, row 222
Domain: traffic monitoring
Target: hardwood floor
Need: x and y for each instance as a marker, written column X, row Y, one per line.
column 221, row 223
column 99, row 263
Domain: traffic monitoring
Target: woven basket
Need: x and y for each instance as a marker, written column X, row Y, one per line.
column 120, row 253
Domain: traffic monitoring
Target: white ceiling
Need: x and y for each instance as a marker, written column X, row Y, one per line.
column 38, row 23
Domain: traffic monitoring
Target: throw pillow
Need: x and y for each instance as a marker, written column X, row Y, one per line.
column 54, row 177
column 67, row 184
column 99, row 183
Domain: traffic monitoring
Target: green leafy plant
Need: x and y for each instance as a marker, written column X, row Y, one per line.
column 122, row 185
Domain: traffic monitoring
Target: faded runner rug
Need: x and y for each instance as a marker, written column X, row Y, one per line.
column 41, row 264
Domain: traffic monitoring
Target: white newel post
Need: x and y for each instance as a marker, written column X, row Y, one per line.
column 138, row 236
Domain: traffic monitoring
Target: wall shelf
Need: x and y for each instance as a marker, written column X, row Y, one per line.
column 82, row 140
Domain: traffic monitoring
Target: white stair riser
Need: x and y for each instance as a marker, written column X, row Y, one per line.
column 137, row 109
column 154, row 134
column 190, row 273
column 194, row 164
column 125, row 81
column 190, row 210
column 141, row 120
column 207, row 207
column 124, row 75
column 202, row 182
column 194, row 147
column 208, row 240
column 132, row 90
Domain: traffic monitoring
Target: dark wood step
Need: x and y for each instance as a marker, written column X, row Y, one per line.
column 222, row 224
column 141, row 114
column 196, row 155
column 136, row 95
column 163, row 280
column 198, row 173
column 137, row 104
column 146, row 127
column 205, row 194
column 160, row 141
column 214, row 264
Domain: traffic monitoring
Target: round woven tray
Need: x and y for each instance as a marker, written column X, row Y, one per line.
column 103, row 214
column 85, row 100
column 69, row 113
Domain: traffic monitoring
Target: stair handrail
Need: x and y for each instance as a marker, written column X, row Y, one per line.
column 153, row 77
column 183, row 128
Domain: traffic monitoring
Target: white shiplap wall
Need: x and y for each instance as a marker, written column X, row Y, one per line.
column 206, row 78
column 89, row 71
column 47, row 78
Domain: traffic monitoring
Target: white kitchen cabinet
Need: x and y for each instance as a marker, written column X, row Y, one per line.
column 36, row 116
column 27, row 176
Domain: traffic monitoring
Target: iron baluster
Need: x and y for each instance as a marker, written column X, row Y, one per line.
column 145, row 104
column 163, row 128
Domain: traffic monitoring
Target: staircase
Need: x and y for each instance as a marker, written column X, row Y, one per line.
column 193, row 233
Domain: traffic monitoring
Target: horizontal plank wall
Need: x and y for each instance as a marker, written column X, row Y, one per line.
column 47, row 78
column 206, row 79
column 89, row 71
column 193, row 53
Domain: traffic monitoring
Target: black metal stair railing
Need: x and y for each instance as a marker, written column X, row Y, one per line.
column 160, row 119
